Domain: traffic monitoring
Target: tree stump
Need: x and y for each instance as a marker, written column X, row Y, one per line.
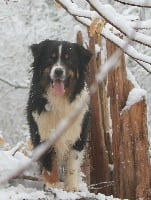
column 130, row 136
column 100, row 171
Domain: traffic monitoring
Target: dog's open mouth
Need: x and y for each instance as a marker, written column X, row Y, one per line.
column 58, row 87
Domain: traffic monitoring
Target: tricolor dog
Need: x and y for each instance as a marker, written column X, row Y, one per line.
column 58, row 84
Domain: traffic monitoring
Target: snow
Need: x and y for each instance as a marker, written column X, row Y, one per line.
column 135, row 95
column 21, row 24
column 117, row 20
column 10, row 162
column 74, row 9
column 22, row 192
column 129, row 50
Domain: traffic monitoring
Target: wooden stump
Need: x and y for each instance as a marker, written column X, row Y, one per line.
column 100, row 171
column 130, row 136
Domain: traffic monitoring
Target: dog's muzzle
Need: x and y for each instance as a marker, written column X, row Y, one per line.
column 57, row 75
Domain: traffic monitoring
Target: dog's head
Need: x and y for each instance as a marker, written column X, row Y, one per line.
column 60, row 65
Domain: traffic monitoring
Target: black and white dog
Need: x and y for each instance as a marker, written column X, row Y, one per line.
column 58, row 84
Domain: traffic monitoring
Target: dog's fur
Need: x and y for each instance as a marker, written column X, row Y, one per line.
column 58, row 84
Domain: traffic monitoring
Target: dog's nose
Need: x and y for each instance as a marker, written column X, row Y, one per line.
column 58, row 72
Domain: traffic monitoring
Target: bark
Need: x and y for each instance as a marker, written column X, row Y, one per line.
column 130, row 136
column 100, row 171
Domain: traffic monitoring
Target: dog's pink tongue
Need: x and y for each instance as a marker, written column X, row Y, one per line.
column 58, row 87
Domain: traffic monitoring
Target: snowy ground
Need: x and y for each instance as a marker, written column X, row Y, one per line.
column 30, row 190
column 21, row 24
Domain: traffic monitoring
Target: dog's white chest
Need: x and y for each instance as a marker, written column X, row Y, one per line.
column 58, row 109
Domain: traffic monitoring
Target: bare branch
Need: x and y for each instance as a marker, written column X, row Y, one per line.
column 142, row 4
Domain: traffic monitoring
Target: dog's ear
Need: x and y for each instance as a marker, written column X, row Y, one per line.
column 35, row 49
column 85, row 55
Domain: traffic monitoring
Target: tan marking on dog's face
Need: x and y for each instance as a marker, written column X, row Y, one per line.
column 53, row 55
column 71, row 73
column 47, row 70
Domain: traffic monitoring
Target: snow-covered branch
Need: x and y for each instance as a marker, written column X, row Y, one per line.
column 117, row 21
column 108, row 13
column 141, row 59
column 130, row 50
column 140, row 3
column 141, row 25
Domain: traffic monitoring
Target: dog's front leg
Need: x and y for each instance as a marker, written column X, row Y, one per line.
column 73, row 170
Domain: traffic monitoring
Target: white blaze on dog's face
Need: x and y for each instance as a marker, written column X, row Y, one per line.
column 58, row 75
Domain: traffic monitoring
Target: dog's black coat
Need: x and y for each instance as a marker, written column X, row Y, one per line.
column 75, row 58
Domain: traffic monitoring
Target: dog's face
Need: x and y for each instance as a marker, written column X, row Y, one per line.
column 59, row 65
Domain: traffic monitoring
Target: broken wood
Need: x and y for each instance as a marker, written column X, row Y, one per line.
column 100, row 171
column 130, row 136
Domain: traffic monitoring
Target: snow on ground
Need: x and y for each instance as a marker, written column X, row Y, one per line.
column 30, row 190
column 22, row 193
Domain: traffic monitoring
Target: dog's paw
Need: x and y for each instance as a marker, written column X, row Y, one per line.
column 72, row 188
column 49, row 187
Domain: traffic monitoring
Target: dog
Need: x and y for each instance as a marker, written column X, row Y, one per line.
column 58, row 84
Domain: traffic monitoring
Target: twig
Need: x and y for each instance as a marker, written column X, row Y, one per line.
column 101, row 183
column 77, row 18
column 16, row 150
column 9, row 0
column 30, row 178
column 15, row 85
column 131, row 3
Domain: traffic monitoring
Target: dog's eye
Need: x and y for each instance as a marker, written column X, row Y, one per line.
column 66, row 56
column 53, row 55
